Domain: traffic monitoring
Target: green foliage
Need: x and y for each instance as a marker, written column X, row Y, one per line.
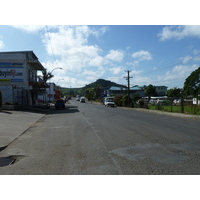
column 150, row 91
column 125, row 100
column 118, row 100
column 89, row 94
column 141, row 103
column 135, row 97
column 175, row 92
column 158, row 106
column 105, row 84
column 46, row 75
column 192, row 83
column 97, row 91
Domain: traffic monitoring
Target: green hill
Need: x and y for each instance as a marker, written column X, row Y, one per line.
column 105, row 85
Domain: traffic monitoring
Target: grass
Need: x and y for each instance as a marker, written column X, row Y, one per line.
column 177, row 109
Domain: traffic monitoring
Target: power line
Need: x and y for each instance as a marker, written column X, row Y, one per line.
column 50, row 42
column 171, row 65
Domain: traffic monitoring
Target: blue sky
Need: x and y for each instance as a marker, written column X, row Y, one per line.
column 155, row 54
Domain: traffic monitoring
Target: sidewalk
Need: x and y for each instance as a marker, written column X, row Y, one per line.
column 14, row 123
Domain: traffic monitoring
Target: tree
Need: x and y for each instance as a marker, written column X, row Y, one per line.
column 89, row 94
column 97, row 89
column 135, row 97
column 192, row 83
column 150, row 91
column 46, row 75
column 175, row 92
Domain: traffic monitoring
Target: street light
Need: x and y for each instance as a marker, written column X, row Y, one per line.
column 50, row 84
column 59, row 80
column 53, row 70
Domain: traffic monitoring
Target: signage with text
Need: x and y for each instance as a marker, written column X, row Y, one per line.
column 11, row 72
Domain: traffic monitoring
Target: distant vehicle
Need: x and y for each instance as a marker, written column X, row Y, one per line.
column 109, row 101
column 82, row 100
column 77, row 98
column 60, row 104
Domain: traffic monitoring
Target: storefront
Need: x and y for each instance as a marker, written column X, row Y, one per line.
column 19, row 83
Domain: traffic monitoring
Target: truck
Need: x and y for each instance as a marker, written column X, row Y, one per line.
column 109, row 101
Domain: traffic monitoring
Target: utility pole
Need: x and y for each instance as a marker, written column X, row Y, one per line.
column 128, row 79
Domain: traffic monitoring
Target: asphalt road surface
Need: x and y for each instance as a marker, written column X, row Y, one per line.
column 92, row 139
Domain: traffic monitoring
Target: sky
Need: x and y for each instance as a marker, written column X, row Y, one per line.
column 154, row 54
column 158, row 41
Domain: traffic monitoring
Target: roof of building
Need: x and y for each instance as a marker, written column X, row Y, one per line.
column 31, row 57
column 136, row 88
column 160, row 86
column 117, row 88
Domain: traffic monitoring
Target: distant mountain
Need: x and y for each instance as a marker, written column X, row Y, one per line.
column 105, row 84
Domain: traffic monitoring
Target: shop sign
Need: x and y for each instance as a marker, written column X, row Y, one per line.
column 194, row 100
column 11, row 72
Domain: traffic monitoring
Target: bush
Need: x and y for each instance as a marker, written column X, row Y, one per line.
column 125, row 100
column 158, row 106
column 118, row 100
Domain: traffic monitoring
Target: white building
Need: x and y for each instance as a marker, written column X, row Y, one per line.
column 49, row 94
column 161, row 90
column 19, row 82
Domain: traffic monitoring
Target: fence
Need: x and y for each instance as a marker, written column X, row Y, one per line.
column 184, row 105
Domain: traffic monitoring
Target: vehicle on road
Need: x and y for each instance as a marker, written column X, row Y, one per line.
column 82, row 100
column 109, row 101
column 60, row 104
column 77, row 98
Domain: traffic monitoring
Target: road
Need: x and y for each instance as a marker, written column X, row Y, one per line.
column 92, row 139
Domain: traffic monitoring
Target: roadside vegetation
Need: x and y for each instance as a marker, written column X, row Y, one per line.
column 179, row 100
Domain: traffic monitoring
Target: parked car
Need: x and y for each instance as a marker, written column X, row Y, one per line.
column 60, row 104
column 109, row 101
column 82, row 100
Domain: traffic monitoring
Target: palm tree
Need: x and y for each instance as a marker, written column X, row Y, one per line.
column 46, row 75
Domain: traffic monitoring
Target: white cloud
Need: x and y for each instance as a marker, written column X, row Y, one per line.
column 196, row 51
column 115, row 55
column 142, row 55
column 89, row 73
column 96, row 61
column 116, row 70
column 197, row 58
column 178, row 72
column 179, row 32
column 136, row 72
column 29, row 28
column 186, row 59
column 70, row 43
column 1, row 43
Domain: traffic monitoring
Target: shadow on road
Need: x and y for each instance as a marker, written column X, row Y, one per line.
column 36, row 109
column 7, row 112
column 68, row 109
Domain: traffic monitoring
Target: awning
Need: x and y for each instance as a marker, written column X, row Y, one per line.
column 36, row 65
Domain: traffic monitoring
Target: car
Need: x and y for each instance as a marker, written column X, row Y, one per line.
column 82, row 100
column 60, row 104
column 109, row 101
